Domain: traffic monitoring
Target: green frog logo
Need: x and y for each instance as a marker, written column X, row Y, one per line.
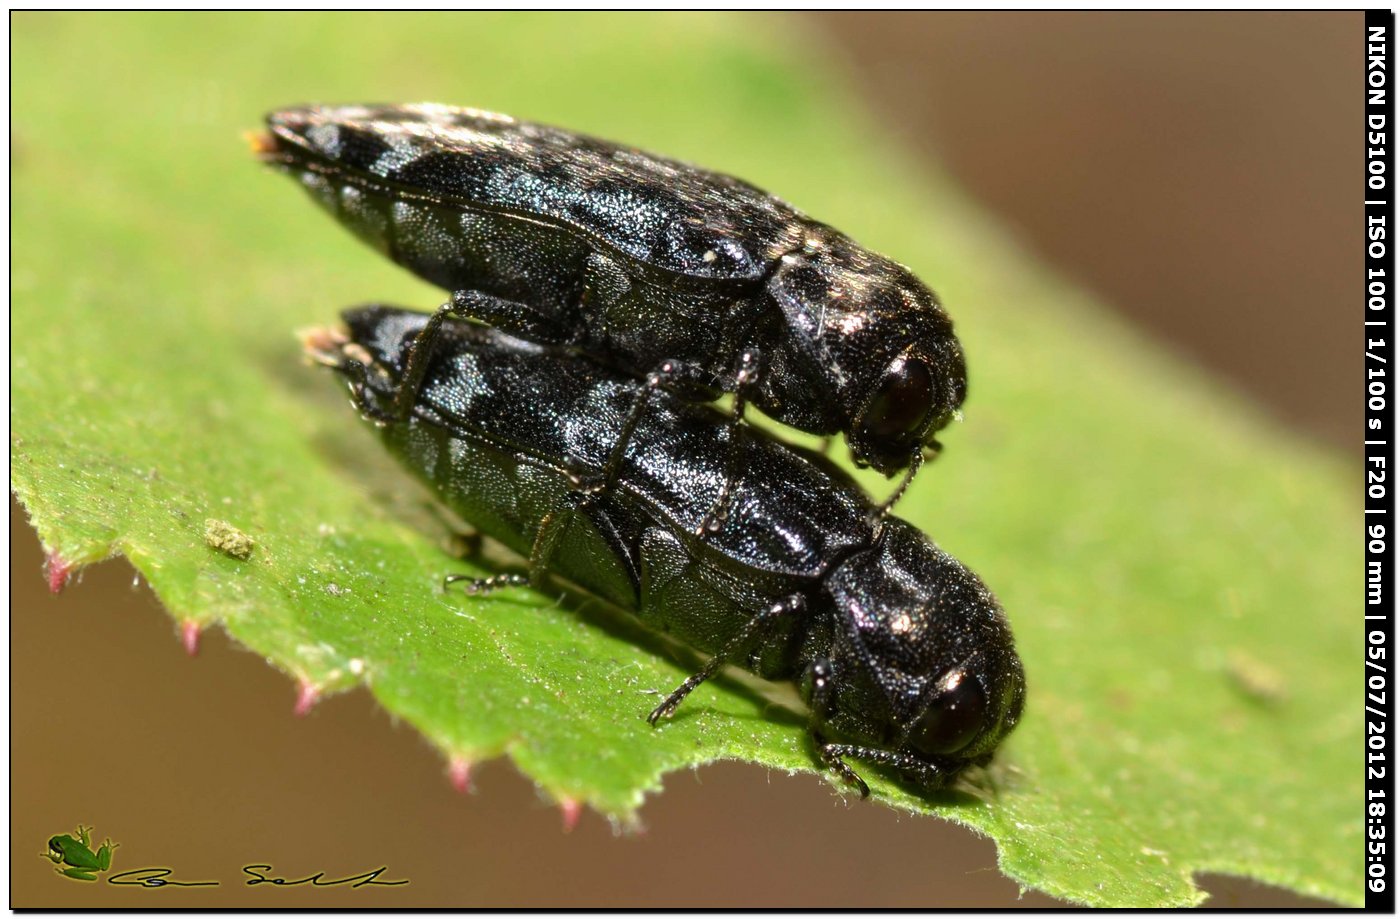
column 75, row 857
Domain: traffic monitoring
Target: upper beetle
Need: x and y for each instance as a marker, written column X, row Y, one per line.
column 639, row 261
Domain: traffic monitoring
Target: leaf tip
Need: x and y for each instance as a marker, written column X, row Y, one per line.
column 569, row 810
column 308, row 694
column 189, row 637
column 459, row 773
column 57, row 569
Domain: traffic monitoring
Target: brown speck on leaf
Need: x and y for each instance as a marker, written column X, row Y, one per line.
column 1256, row 679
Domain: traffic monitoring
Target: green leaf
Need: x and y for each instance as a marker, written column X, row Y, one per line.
column 1180, row 573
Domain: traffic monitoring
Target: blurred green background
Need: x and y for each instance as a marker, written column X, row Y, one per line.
column 1142, row 153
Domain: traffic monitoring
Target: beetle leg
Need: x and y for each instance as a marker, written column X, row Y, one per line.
column 820, row 674
column 463, row 541
column 915, row 462
column 831, row 758
column 416, row 367
column 546, row 539
column 751, row 632
column 744, row 378
column 466, row 543
column 588, row 489
column 482, row 586
column 613, row 466
column 668, row 375
column 508, row 315
column 925, row 773
column 581, row 501
column 357, row 375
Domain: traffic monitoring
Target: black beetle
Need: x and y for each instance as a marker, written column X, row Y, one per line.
column 638, row 260
column 904, row 657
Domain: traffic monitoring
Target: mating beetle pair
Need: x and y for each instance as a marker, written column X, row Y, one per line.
column 696, row 283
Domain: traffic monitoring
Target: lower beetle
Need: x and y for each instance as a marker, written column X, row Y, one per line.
column 902, row 654
column 637, row 260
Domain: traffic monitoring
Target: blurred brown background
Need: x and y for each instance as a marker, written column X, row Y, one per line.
column 1200, row 171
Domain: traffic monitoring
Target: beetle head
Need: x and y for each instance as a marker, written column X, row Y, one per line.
column 865, row 329
column 922, row 659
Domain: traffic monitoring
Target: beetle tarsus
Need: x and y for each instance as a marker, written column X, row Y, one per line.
column 925, row 773
column 482, row 586
column 831, row 756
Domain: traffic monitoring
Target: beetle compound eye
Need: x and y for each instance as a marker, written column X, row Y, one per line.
column 954, row 718
column 902, row 402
